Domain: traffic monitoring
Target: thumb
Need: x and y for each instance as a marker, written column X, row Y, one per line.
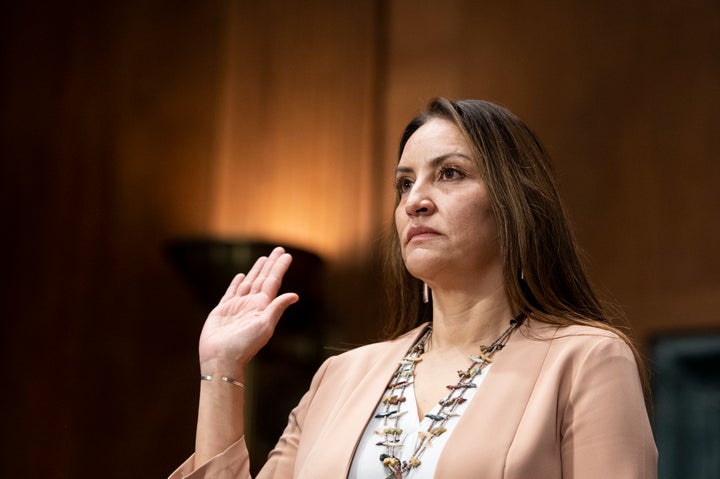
column 278, row 305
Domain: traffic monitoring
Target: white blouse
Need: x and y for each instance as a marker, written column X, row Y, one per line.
column 366, row 463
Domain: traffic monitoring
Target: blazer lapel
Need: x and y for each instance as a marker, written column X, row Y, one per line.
column 480, row 441
column 333, row 452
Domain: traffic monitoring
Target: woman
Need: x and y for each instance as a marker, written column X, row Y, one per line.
column 519, row 373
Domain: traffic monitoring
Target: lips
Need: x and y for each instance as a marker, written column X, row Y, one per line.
column 420, row 232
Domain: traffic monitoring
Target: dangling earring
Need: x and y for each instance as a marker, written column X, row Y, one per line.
column 426, row 293
column 522, row 275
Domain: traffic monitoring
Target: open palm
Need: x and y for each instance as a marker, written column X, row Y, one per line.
column 244, row 320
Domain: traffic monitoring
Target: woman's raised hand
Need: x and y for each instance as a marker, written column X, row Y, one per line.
column 244, row 320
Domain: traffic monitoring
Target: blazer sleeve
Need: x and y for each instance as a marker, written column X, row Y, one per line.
column 234, row 462
column 605, row 431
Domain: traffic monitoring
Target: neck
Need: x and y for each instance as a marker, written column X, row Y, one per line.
column 466, row 321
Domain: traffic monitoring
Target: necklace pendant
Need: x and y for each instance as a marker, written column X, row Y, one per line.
column 451, row 401
column 394, row 399
column 389, row 431
column 438, row 430
column 435, row 417
column 468, row 385
column 412, row 359
column 481, row 358
column 398, row 384
column 385, row 414
column 392, row 463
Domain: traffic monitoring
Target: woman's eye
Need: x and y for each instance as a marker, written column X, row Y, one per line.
column 449, row 173
column 402, row 185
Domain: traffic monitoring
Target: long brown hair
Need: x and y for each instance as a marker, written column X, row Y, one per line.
column 544, row 275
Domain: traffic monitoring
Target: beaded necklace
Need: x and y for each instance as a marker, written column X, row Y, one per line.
column 403, row 377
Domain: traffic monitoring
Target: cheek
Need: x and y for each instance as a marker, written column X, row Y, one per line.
column 400, row 219
column 479, row 220
column 400, row 222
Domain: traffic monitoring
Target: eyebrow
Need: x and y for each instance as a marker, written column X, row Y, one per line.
column 435, row 162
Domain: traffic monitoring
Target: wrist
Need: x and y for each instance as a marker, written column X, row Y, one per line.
column 218, row 368
column 225, row 379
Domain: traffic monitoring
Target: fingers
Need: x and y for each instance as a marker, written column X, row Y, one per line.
column 252, row 275
column 264, row 276
column 270, row 276
column 278, row 306
column 232, row 289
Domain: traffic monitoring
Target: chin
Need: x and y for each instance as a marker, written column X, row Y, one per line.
column 423, row 266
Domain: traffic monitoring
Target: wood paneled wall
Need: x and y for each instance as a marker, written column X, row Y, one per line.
column 127, row 124
column 107, row 114
column 294, row 161
column 625, row 96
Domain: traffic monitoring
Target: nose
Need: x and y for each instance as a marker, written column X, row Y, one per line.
column 418, row 201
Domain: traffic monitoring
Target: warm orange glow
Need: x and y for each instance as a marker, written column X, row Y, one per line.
column 295, row 168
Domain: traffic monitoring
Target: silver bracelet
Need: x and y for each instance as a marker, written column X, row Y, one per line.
column 233, row 381
column 224, row 378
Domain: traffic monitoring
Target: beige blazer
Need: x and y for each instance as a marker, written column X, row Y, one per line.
column 557, row 403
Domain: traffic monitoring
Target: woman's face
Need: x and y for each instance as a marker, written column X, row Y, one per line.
column 444, row 220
